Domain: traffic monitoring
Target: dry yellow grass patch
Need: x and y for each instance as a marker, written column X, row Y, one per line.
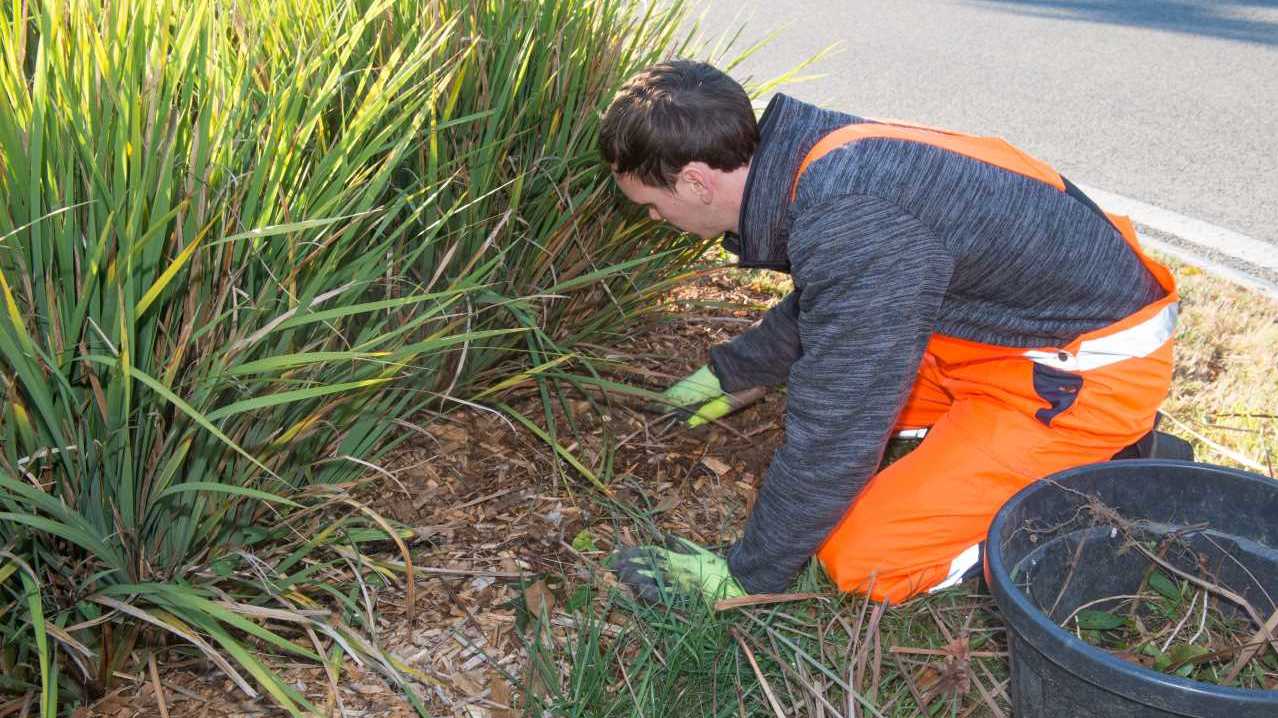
column 1225, row 394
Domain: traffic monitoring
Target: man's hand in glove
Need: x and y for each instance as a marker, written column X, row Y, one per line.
column 680, row 570
column 702, row 388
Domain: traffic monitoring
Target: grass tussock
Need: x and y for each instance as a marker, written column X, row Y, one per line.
column 834, row 655
column 241, row 243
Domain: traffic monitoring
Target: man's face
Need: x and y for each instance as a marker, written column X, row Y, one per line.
column 685, row 207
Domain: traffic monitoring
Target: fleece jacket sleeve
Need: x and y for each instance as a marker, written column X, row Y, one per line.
column 761, row 355
column 872, row 279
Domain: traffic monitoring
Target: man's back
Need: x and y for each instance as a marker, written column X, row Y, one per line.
column 1032, row 265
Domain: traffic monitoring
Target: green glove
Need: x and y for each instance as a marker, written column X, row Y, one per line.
column 698, row 387
column 680, row 570
column 702, row 387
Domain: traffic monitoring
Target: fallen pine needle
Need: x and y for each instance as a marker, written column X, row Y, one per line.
column 159, row 689
column 763, row 599
column 1214, row 446
column 767, row 688
column 942, row 652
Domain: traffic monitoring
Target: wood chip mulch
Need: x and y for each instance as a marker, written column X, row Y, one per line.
column 496, row 516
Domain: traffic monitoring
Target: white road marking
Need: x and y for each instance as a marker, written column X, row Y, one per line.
column 1245, row 249
column 1249, row 281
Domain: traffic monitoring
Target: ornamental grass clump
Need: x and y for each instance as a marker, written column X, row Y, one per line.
column 239, row 243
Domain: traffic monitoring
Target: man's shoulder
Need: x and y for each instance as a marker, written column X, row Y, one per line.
column 878, row 166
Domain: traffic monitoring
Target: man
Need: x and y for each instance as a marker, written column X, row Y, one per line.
column 942, row 281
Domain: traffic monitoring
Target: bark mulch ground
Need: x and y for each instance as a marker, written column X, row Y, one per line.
column 504, row 527
column 495, row 515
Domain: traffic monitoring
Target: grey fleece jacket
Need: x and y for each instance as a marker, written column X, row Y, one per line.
column 889, row 241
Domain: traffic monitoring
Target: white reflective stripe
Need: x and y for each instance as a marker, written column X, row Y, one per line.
column 1138, row 341
column 911, row 434
column 959, row 566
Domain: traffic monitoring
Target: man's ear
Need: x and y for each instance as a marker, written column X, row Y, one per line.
column 697, row 176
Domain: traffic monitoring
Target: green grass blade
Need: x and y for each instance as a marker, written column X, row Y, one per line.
column 226, row 489
column 563, row 453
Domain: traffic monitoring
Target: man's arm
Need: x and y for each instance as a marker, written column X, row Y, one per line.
column 873, row 278
column 761, row 355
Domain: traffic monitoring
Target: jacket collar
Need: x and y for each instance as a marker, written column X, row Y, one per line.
column 788, row 130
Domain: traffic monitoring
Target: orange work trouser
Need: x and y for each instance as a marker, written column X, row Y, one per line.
column 999, row 418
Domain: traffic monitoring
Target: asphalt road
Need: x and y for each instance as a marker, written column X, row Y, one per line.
column 1171, row 103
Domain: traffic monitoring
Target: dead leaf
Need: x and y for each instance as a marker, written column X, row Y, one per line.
column 450, row 432
column 538, row 598
column 927, row 678
column 470, row 682
column 452, row 439
column 718, row 467
column 669, row 502
column 501, row 694
column 958, row 650
column 953, row 677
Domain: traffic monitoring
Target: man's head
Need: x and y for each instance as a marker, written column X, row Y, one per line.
column 679, row 137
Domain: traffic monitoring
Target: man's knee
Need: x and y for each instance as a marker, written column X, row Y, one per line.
column 881, row 581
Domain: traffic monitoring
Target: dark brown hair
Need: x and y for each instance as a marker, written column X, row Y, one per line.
column 674, row 113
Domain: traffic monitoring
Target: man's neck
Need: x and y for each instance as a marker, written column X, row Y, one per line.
column 734, row 183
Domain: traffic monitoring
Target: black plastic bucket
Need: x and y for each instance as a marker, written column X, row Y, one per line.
column 1033, row 543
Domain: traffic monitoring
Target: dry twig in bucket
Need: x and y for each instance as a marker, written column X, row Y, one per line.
column 1179, row 620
